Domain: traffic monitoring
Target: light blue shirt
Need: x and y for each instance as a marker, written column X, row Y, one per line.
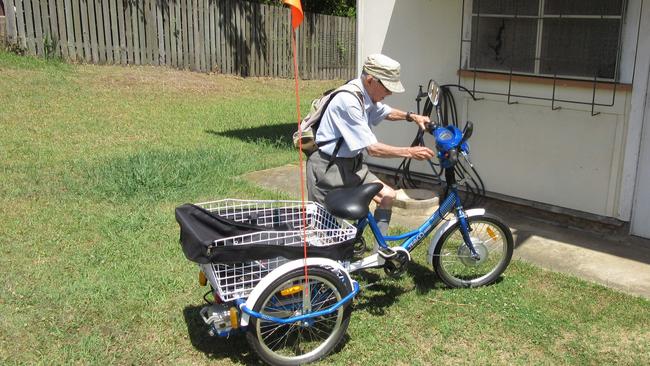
column 345, row 118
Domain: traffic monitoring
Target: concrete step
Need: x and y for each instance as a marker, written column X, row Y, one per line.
column 412, row 207
column 418, row 202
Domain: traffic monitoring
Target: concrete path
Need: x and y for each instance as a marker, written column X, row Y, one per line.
column 598, row 252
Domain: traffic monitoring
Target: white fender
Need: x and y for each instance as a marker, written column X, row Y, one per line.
column 282, row 270
column 446, row 226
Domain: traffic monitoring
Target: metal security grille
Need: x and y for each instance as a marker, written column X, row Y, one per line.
column 555, row 39
column 577, row 38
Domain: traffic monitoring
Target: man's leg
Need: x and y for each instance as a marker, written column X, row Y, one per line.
column 383, row 212
column 384, row 199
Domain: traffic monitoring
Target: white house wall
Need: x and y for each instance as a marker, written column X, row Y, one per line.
column 566, row 157
column 422, row 35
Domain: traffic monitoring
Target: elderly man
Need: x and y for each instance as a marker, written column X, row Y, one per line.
column 350, row 118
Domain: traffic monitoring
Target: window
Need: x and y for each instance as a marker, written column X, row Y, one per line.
column 565, row 38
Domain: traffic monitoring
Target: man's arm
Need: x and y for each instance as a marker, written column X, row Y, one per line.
column 381, row 150
column 399, row 115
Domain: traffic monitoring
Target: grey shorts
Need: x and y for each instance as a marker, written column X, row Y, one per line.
column 344, row 173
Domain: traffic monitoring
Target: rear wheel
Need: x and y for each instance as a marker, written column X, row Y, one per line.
column 493, row 242
column 308, row 340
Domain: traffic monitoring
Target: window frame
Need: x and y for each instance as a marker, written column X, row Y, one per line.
column 467, row 33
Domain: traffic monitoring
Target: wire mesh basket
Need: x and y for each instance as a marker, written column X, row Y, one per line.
column 285, row 218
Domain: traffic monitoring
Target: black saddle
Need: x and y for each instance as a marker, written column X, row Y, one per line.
column 352, row 203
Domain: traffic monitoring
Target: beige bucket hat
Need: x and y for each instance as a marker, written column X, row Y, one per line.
column 385, row 69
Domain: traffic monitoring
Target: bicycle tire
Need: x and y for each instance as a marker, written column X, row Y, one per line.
column 280, row 344
column 451, row 257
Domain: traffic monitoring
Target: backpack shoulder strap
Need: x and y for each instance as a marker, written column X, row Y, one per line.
column 336, row 151
column 349, row 88
column 354, row 90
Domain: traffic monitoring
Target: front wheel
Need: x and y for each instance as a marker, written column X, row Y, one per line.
column 493, row 242
column 305, row 341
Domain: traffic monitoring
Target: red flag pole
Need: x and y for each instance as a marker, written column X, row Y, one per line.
column 302, row 175
column 296, row 19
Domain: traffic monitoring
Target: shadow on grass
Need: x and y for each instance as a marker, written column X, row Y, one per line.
column 383, row 291
column 234, row 348
column 426, row 279
column 381, row 294
column 280, row 135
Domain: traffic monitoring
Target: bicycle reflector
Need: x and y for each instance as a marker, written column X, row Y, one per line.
column 291, row 290
column 491, row 233
column 234, row 322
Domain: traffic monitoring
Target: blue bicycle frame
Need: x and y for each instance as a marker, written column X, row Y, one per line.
column 413, row 238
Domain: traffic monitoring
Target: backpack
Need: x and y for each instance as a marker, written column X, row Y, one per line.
column 309, row 124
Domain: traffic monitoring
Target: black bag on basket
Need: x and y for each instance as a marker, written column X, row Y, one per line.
column 200, row 228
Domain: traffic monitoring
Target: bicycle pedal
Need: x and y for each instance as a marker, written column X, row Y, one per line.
column 386, row 253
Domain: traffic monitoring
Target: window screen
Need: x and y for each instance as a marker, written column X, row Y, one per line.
column 504, row 43
column 580, row 47
column 578, row 38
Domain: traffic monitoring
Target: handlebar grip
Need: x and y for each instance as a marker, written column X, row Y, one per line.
column 452, row 155
column 467, row 131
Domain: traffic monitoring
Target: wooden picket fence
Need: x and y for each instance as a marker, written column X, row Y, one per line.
column 3, row 29
column 227, row 36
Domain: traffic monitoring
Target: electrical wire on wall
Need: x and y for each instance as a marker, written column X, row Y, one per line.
column 467, row 177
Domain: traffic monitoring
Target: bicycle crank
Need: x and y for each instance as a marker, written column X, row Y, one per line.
column 360, row 246
column 395, row 266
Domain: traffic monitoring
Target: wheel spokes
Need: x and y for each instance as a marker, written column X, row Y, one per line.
column 454, row 255
column 303, row 337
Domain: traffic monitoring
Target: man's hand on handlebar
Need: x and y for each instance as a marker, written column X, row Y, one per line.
column 421, row 121
column 421, row 152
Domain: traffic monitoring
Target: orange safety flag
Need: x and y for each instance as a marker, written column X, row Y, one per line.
column 296, row 12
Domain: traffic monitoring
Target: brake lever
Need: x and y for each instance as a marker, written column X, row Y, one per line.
column 466, row 157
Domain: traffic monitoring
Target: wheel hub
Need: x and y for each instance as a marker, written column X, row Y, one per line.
column 306, row 323
column 465, row 254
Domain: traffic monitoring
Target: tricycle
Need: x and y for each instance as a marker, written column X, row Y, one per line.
column 280, row 271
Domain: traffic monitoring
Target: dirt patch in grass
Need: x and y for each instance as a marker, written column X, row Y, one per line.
column 149, row 76
column 627, row 346
column 183, row 81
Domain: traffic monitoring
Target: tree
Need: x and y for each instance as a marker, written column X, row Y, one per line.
column 342, row 8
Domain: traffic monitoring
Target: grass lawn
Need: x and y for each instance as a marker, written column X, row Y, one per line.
column 93, row 161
